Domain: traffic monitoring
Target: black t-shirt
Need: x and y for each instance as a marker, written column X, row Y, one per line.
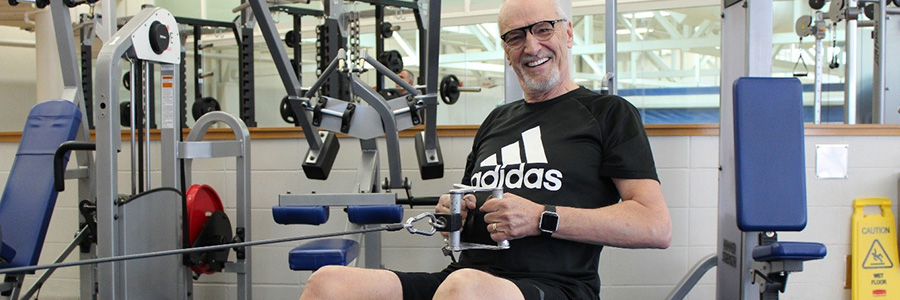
column 563, row 151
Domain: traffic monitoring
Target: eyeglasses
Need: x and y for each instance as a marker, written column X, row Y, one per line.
column 542, row 30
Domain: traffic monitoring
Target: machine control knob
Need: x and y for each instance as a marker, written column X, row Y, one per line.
column 159, row 37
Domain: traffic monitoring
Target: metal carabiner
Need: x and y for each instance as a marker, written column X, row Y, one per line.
column 432, row 220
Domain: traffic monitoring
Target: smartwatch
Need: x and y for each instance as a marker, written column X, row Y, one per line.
column 549, row 221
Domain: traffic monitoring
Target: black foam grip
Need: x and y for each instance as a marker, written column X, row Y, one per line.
column 428, row 170
column 323, row 162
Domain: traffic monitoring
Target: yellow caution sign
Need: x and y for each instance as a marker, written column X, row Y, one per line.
column 876, row 274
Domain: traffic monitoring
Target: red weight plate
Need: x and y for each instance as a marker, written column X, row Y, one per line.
column 202, row 201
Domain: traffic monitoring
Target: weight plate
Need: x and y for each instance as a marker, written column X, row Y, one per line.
column 392, row 60
column 204, row 106
column 869, row 11
column 449, row 89
column 125, row 114
column 126, row 80
column 290, row 39
column 286, row 113
column 202, row 201
column 817, row 4
column 386, row 31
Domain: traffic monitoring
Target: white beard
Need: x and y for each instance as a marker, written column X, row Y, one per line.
column 539, row 84
column 542, row 84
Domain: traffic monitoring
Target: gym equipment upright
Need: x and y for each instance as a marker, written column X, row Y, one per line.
column 762, row 187
column 152, row 220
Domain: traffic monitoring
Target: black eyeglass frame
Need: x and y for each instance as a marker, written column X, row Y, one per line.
column 530, row 28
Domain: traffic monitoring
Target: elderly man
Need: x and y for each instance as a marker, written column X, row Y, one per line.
column 578, row 174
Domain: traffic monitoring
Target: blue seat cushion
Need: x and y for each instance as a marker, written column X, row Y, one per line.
column 789, row 251
column 375, row 214
column 7, row 253
column 325, row 252
column 309, row 215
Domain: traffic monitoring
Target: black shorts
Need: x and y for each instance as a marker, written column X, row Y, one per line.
column 422, row 286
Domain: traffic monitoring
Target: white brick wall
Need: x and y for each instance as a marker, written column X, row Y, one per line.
column 688, row 171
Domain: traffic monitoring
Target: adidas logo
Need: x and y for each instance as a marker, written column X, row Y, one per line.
column 508, row 169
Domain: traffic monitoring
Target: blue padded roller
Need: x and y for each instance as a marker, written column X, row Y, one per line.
column 375, row 214
column 319, row 253
column 769, row 157
column 789, row 251
column 29, row 195
column 309, row 215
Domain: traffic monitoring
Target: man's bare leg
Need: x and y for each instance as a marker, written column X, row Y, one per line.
column 348, row 283
column 475, row 284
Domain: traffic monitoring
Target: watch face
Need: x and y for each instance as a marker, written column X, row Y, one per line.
column 549, row 221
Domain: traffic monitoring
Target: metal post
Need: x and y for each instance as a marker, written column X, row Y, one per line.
column 819, row 35
column 850, row 72
column 432, row 49
column 198, row 63
column 746, row 51
column 108, row 21
column 611, row 43
column 132, row 115
column 879, row 102
column 379, row 44
column 298, row 53
column 145, row 117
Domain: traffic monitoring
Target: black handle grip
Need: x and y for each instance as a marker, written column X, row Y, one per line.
column 59, row 168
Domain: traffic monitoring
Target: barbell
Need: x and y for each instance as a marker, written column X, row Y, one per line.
column 387, row 29
column 451, row 87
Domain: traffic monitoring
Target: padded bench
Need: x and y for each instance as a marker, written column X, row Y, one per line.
column 29, row 195
column 311, row 256
column 801, row 251
column 770, row 173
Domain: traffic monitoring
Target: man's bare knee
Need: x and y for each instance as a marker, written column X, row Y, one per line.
column 324, row 281
column 475, row 284
column 463, row 284
column 346, row 283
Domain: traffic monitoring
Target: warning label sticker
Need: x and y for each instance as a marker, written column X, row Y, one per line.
column 877, row 257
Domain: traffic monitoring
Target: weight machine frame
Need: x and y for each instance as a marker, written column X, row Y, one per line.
column 359, row 121
column 126, row 228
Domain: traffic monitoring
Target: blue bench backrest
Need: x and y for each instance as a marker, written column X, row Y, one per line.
column 769, row 155
column 29, row 195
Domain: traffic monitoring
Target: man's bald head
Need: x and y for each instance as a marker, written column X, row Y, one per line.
column 511, row 6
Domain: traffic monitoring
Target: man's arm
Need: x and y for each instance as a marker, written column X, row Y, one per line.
column 640, row 220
